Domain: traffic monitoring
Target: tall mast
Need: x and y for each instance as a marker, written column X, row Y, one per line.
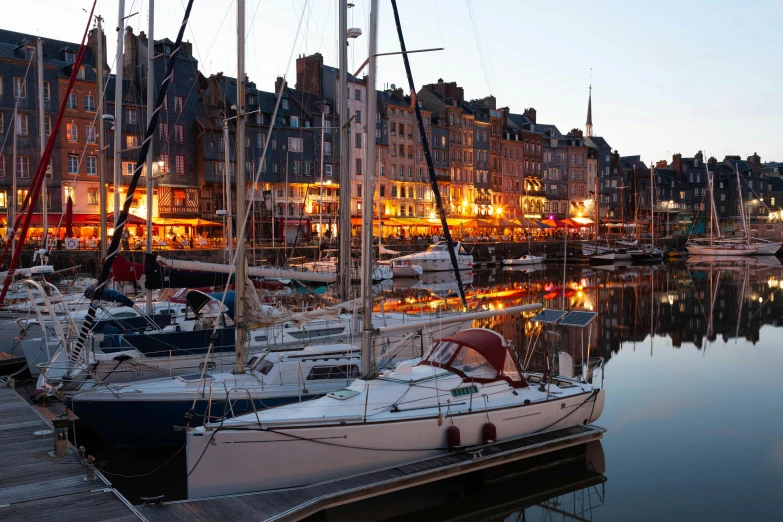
column 344, row 274
column 652, row 205
column 102, row 143
column 14, row 197
column 227, row 190
column 239, row 320
column 118, row 81
column 745, row 228
column 367, row 199
column 321, row 190
column 41, row 142
column 150, row 108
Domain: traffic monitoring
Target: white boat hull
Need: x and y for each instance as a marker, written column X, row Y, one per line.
column 708, row 250
column 524, row 260
column 612, row 256
column 238, row 461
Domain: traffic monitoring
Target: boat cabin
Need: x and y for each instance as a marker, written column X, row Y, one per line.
column 477, row 355
column 443, row 246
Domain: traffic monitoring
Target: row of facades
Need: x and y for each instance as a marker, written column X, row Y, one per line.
column 488, row 160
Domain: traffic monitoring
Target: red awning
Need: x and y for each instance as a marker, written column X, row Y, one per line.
column 178, row 193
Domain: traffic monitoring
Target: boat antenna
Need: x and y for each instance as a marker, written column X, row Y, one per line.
column 430, row 168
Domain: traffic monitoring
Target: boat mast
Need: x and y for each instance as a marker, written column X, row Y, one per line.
column 150, row 108
column 741, row 207
column 14, row 197
column 42, row 144
column 344, row 232
column 321, row 190
column 239, row 318
column 118, row 84
column 102, row 142
column 227, row 192
column 367, row 198
column 652, row 205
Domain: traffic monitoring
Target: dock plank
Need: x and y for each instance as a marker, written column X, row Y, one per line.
column 35, row 486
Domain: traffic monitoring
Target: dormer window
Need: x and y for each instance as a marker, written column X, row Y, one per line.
column 29, row 52
column 70, row 57
column 285, row 103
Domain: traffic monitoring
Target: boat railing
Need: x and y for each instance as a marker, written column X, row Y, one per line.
column 595, row 365
column 59, row 385
column 227, row 406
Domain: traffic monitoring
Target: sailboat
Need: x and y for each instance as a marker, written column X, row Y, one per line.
column 719, row 246
column 649, row 253
column 467, row 390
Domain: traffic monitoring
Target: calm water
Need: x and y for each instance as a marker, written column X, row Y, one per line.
column 694, row 408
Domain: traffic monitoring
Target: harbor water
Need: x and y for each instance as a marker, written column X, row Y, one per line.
column 693, row 354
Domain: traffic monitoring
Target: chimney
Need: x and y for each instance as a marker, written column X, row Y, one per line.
column 447, row 90
column 130, row 55
column 677, row 162
column 712, row 161
column 699, row 158
column 661, row 164
column 280, row 82
column 755, row 159
column 531, row 115
column 92, row 43
column 398, row 92
column 576, row 133
column 308, row 73
column 143, row 36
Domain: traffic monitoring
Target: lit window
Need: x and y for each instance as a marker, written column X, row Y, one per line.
column 72, row 132
column 179, row 104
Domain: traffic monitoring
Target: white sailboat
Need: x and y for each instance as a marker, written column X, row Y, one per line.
column 468, row 389
column 435, row 259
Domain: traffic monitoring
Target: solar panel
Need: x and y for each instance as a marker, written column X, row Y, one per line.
column 578, row 319
column 549, row 316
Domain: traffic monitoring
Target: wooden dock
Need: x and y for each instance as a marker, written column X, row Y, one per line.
column 298, row 503
column 37, row 486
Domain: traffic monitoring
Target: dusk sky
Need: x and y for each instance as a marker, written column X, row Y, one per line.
column 668, row 76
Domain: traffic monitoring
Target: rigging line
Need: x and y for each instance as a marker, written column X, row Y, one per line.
column 478, row 44
column 252, row 193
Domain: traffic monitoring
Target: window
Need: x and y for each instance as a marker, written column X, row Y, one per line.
column 358, row 115
column 221, row 145
column 20, row 195
column 163, row 131
column 127, row 168
column 295, row 122
column 358, row 140
column 327, row 127
column 173, row 75
column 179, row 133
column 359, row 190
column 90, row 133
column 357, row 94
column 89, row 103
column 180, row 165
column 2, row 118
column 47, row 91
column 130, row 115
column 131, row 141
column 328, row 170
column 295, row 144
column 328, row 148
column 284, row 103
column 296, row 167
column 72, row 104
column 179, row 104
column 166, row 103
column 92, row 168
column 2, row 166
column 164, row 169
column 358, row 166
column 321, row 373
column 92, row 197
column 21, row 125
column 3, row 200
column 260, row 137
column 20, row 88
column 73, row 164
column 72, row 132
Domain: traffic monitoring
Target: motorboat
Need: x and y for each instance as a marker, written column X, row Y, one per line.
column 330, row 263
column 467, row 390
column 270, row 379
column 524, row 260
column 436, row 258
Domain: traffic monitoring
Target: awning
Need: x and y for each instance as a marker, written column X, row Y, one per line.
column 178, row 193
column 198, row 222
column 582, row 221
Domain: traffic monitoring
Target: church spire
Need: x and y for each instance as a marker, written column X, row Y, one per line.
column 589, row 123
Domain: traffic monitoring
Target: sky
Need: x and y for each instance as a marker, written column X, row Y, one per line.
column 667, row 76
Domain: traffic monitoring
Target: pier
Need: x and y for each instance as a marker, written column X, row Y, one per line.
column 297, row 503
column 37, row 485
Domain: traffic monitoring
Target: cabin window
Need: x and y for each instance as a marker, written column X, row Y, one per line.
column 442, row 353
column 344, row 371
column 510, row 368
column 473, row 364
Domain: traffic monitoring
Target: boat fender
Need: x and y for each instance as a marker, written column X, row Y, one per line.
column 489, row 433
column 452, row 437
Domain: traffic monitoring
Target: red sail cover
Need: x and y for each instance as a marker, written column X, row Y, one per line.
column 125, row 271
column 69, row 218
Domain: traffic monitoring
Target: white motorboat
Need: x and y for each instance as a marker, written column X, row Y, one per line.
column 524, row 260
column 468, row 390
column 436, row 258
column 270, row 379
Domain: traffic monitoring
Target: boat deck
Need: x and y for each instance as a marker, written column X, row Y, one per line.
column 298, row 503
column 36, row 486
